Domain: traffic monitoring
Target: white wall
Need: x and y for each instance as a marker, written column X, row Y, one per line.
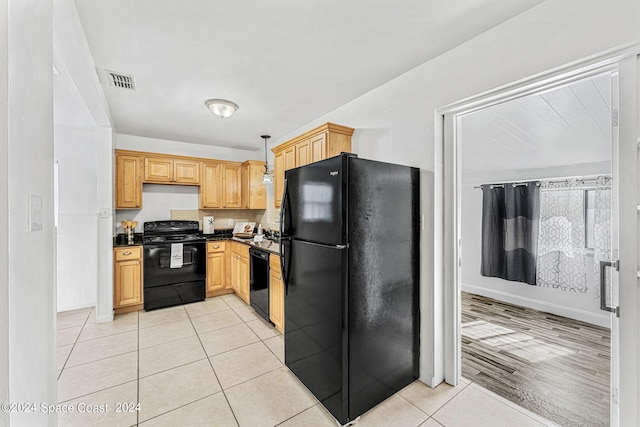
column 77, row 238
column 165, row 146
column 157, row 203
column 4, row 211
column 395, row 122
column 81, row 110
column 580, row 306
column 32, row 320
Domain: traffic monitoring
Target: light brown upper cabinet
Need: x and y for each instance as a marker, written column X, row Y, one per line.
column 222, row 184
column 254, row 192
column 232, row 183
column 167, row 170
column 128, row 181
column 303, row 153
column 211, row 186
column 325, row 141
column 318, row 147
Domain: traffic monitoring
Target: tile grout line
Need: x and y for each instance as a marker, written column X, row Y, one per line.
column 181, row 406
column 466, row 385
column 72, row 346
column 138, row 375
column 212, row 369
column 98, row 391
column 522, row 410
column 98, row 360
column 414, row 405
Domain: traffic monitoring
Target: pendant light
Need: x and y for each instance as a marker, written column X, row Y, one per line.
column 266, row 177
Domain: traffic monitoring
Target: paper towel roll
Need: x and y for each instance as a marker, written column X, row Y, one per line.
column 207, row 225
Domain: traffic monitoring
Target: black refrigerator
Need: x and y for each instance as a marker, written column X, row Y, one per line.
column 350, row 247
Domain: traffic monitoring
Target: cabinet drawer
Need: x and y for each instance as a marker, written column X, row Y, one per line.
column 128, row 253
column 240, row 249
column 217, row 246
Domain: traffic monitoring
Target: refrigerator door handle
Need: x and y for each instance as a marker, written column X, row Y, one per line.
column 285, row 261
column 283, row 208
column 283, row 252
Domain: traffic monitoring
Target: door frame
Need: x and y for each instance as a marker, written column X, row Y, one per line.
column 447, row 218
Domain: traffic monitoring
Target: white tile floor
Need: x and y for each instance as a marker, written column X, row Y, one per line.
column 216, row 363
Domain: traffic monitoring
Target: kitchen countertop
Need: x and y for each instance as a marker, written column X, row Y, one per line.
column 121, row 240
column 215, row 238
column 273, row 248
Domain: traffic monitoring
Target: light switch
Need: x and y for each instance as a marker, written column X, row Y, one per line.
column 35, row 212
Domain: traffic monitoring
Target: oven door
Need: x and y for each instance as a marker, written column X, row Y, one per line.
column 157, row 264
column 165, row 286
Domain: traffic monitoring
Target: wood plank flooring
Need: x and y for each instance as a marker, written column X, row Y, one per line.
column 556, row 367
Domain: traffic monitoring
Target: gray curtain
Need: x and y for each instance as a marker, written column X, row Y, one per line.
column 510, row 216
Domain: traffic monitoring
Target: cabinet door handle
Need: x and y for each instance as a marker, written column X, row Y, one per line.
column 216, row 246
column 126, row 253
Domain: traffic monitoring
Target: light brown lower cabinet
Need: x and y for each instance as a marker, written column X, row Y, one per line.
column 240, row 270
column 127, row 277
column 276, row 293
column 217, row 283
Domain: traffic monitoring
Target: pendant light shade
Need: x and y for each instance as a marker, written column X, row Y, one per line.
column 221, row 107
column 266, row 177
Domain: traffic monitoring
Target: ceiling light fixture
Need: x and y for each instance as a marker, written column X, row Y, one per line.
column 221, row 107
column 266, row 177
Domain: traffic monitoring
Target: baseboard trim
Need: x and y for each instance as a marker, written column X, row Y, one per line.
column 106, row 318
column 77, row 306
column 572, row 313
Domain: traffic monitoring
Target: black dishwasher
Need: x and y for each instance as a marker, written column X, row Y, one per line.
column 259, row 282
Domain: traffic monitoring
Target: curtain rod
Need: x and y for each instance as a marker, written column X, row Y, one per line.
column 522, row 183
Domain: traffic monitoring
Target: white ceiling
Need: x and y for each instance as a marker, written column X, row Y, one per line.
column 285, row 62
column 566, row 126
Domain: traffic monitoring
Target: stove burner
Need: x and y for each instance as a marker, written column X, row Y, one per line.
column 171, row 232
column 173, row 238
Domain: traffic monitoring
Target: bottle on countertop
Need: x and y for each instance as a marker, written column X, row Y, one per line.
column 260, row 229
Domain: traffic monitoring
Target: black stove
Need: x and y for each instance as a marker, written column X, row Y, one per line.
column 171, row 231
column 174, row 263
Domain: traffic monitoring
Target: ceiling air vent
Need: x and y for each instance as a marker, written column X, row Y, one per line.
column 119, row 80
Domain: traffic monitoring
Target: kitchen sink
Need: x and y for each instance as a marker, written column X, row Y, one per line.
column 269, row 245
column 263, row 244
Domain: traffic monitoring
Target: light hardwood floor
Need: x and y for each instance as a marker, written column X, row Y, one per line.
column 556, row 367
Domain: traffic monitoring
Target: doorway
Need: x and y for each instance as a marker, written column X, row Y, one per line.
column 448, row 221
column 520, row 334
